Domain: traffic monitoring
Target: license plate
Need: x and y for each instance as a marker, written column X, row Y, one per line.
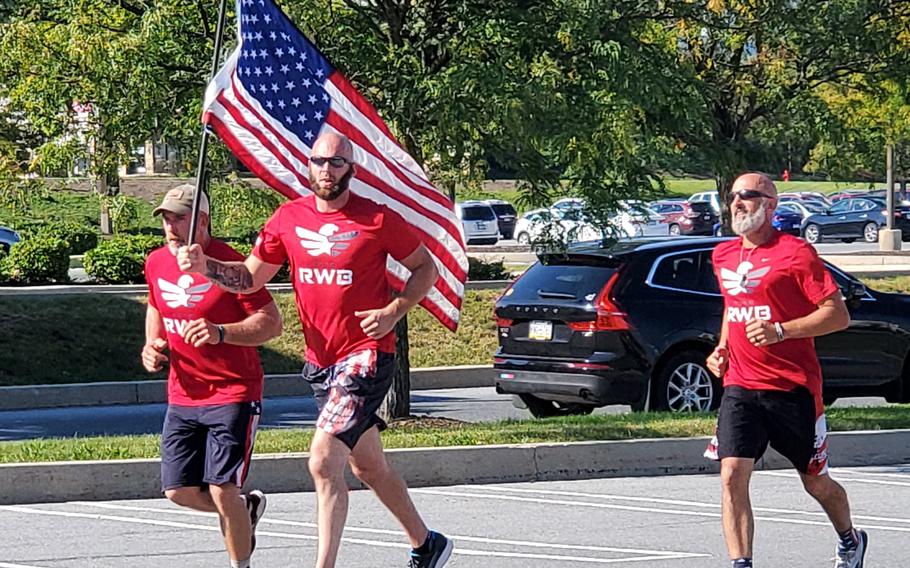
column 707, row 217
column 540, row 330
column 481, row 226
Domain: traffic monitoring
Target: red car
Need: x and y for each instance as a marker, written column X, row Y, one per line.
column 686, row 218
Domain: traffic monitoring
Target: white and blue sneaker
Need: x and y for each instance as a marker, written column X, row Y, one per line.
column 852, row 558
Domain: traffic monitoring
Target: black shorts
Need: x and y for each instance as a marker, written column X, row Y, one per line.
column 208, row 445
column 749, row 420
column 350, row 392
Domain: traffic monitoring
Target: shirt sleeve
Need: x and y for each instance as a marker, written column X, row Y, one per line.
column 813, row 278
column 399, row 237
column 269, row 247
column 151, row 299
column 258, row 299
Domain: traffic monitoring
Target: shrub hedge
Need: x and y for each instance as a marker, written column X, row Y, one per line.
column 121, row 260
column 43, row 259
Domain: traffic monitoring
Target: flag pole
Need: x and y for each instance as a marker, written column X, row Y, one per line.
column 204, row 145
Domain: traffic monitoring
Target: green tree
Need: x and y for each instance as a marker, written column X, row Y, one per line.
column 752, row 61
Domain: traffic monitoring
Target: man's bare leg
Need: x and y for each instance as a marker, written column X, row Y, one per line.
column 370, row 466
column 327, row 460
column 735, row 474
column 225, row 500
column 235, row 520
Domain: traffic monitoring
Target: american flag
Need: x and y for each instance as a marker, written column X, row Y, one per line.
column 276, row 94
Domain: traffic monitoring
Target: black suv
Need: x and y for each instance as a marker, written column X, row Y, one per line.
column 633, row 323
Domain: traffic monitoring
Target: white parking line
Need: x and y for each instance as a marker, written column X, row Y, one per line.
column 697, row 504
column 8, row 565
column 637, row 509
column 462, row 551
column 458, row 538
column 840, row 470
column 845, row 479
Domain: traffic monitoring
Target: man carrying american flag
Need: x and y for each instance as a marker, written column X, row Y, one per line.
column 364, row 221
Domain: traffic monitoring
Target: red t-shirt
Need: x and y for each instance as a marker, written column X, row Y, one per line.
column 781, row 280
column 338, row 265
column 211, row 374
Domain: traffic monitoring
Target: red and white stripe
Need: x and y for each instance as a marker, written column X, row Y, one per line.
column 386, row 173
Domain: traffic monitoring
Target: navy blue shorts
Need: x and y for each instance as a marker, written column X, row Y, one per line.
column 208, row 445
column 350, row 392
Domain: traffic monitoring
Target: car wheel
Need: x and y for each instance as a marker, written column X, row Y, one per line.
column 540, row 408
column 812, row 233
column 870, row 233
column 523, row 239
column 674, row 230
column 684, row 384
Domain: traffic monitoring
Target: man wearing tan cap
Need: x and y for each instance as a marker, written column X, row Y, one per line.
column 778, row 296
column 215, row 377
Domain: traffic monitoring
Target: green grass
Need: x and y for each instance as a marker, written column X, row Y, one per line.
column 412, row 434
column 72, row 206
column 90, row 338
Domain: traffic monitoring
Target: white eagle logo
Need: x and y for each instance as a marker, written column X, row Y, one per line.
column 325, row 241
column 183, row 293
column 744, row 279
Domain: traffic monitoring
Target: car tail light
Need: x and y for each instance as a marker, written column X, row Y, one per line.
column 609, row 316
column 503, row 322
column 693, row 214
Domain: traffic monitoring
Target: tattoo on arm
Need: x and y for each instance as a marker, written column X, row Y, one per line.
column 232, row 276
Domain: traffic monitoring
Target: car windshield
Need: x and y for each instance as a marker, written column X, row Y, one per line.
column 477, row 213
column 503, row 208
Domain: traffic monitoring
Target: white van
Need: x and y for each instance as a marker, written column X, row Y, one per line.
column 710, row 197
column 479, row 222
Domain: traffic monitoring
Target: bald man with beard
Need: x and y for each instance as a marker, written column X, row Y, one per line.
column 338, row 244
column 778, row 295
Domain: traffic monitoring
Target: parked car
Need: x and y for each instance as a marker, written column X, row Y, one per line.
column 563, row 226
column 634, row 219
column 632, row 323
column 8, row 238
column 506, row 216
column 855, row 218
column 686, row 218
column 479, row 222
column 804, row 208
column 567, row 203
column 709, row 197
column 805, row 196
column 787, row 220
column 847, row 194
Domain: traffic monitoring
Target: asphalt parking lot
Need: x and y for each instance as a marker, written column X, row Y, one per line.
column 660, row 522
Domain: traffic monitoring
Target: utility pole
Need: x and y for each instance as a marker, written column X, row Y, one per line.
column 888, row 238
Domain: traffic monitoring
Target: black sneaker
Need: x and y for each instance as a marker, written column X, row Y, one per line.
column 436, row 557
column 255, row 504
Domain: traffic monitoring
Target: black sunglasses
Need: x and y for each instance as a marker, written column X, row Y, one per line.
column 334, row 161
column 747, row 194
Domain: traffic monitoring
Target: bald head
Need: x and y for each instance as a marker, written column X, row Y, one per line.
column 330, row 144
column 756, row 181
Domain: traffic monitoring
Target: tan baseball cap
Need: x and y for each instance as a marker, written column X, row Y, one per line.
column 180, row 201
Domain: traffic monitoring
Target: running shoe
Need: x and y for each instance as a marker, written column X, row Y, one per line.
column 255, row 504
column 436, row 557
column 852, row 558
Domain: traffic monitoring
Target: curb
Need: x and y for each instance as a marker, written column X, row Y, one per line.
column 423, row 467
column 149, row 392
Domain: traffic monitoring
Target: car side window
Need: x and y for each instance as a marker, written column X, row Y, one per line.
column 840, row 207
column 707, row 279
column 679, row 271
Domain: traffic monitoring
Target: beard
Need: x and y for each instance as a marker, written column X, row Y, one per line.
column 334, row 192
column 745, row 224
